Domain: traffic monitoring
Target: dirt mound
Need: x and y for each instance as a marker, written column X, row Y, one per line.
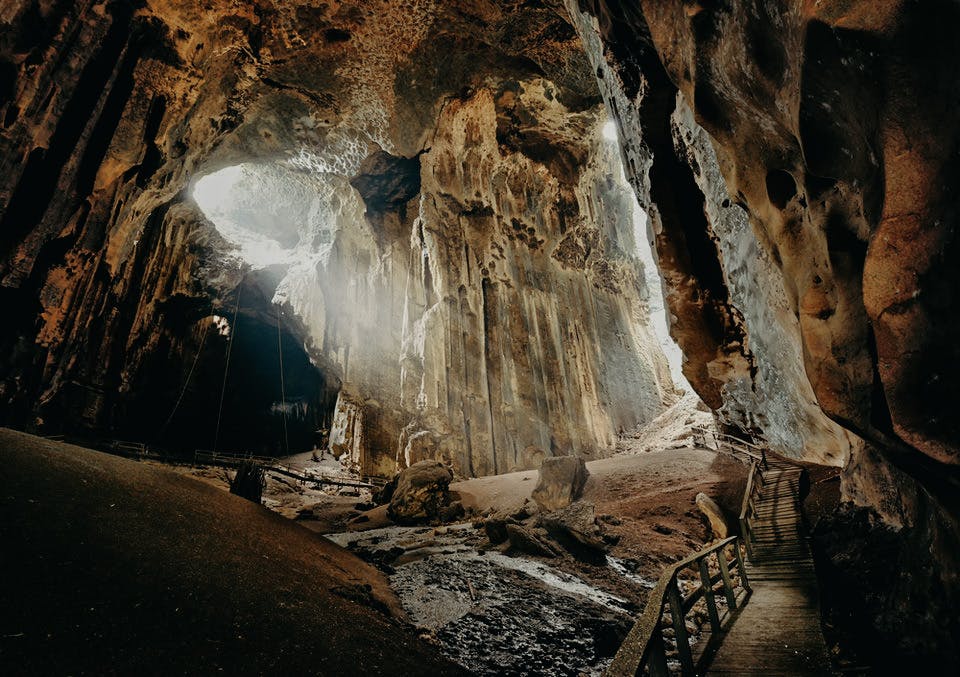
column 116, row 567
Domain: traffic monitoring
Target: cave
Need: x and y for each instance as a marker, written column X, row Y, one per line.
column 571, row 337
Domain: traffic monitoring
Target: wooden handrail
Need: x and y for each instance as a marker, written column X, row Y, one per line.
column 734, row 442
column 745, row 508
column 748, row 492
column 643, row 646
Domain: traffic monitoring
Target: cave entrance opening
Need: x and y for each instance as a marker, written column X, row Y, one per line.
column 275, row 401
column 645, row 252
column 277, row 224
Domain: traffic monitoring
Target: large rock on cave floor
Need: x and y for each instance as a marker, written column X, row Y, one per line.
column 421, row 494
column 560, row 482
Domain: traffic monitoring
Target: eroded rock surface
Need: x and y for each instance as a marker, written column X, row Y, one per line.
column 421, row 493
column 560, row 481
column 419, row 194
column 798, row 160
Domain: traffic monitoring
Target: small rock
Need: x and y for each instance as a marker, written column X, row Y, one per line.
column 662, row 529
column 526, row 540
column 527, row 511
column 709, row 507
column 496, row 529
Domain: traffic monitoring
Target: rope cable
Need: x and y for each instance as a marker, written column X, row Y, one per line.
column 226, row 368
column 283, row 395
column 186, row 384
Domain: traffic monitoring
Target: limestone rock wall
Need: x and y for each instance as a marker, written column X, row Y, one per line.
column 730, row 310
column 525, row 318
column 804, row 107
column 454, row 253
column 815, row 143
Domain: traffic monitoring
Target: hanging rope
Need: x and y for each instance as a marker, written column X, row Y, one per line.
column 196, row 358
column 226, row 368
column 283, row 394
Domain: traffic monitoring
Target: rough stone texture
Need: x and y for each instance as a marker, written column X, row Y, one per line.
column 729, row 309
column 576, row 528
column 827, row 127
column 560, row 482
column 423, row 189
column 528, row 541
column 713, row 512
column 421, row 494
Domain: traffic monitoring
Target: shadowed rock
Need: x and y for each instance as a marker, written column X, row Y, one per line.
column 560, row 482
column 422, row 492
column 576, row 529
column 528, row 541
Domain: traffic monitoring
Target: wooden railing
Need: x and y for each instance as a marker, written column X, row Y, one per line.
column 644, row 650
column 754, row 483
column 207, row 457
column 734, row 445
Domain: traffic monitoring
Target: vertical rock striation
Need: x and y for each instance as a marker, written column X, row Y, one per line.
column 816, row 146
column 417, row 196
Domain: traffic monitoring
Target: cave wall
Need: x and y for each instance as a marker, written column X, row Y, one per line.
column 817, row 145
column 729, row 306
column 512, row 267
column 525, row 315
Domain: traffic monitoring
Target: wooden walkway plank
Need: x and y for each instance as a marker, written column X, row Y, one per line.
column 778, row 632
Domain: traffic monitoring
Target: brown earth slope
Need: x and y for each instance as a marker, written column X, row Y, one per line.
column 113, row 567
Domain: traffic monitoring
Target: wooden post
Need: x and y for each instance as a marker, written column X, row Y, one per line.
column 656, row 656
column 680, row 627
column 708, row 594
column 743, row 570
column 745, row 533
column 727, row 581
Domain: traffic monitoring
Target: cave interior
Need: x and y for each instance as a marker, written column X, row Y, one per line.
column 487, row 235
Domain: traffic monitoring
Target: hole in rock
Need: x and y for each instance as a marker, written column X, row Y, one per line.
column 279, row 223
column 781, row 188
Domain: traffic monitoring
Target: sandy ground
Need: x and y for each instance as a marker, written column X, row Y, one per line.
column 504, row 613
column 495, row 610
column 110, row 566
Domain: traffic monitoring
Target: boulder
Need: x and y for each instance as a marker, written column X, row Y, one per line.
column 709, row 507
column 528, row 541
column 576, row 529
column 421, row 493
column 496, row 529
column 560, row 482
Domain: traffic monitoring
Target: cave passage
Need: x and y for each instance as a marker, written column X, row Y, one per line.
column 257, row 416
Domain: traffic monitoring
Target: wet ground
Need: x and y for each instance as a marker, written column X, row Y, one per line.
column 497, row 613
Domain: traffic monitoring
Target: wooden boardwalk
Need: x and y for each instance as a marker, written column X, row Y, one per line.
column 778, row 632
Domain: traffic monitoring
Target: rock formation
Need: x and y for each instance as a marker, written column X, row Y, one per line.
column 417, row 197
column 421, row 493
column 798, row 162
column 560, row 482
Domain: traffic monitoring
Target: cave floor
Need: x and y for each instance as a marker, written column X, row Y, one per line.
column 110, row 566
